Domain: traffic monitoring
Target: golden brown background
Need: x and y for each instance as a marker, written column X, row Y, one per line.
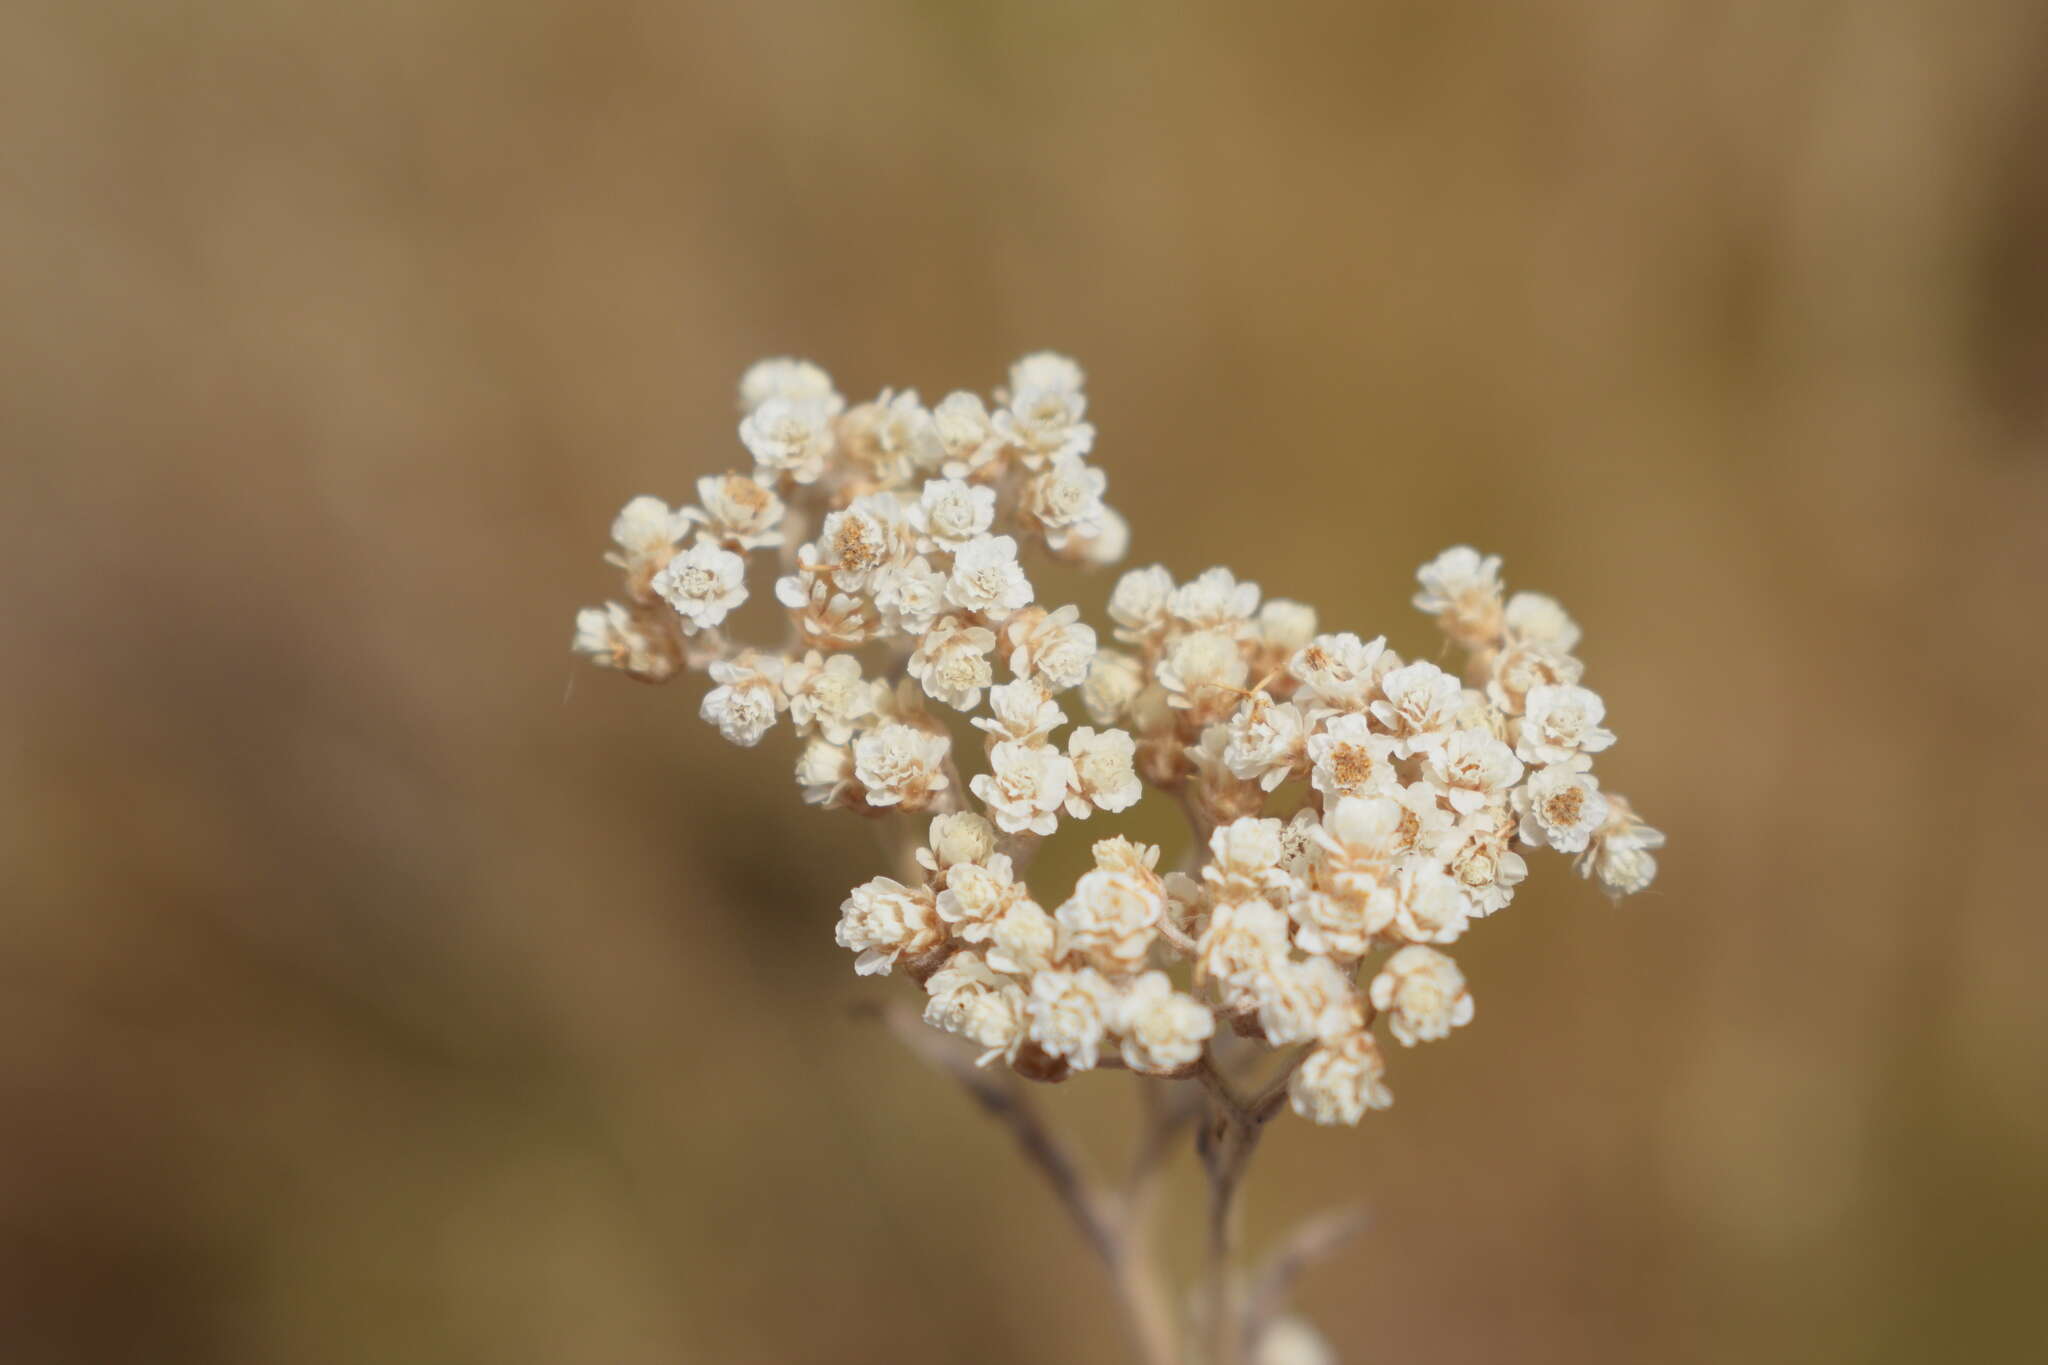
column 374, row 986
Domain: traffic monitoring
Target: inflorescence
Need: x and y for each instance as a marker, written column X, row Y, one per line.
column 1412, row 790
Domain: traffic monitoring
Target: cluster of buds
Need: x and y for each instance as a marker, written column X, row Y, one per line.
column 1352, row 813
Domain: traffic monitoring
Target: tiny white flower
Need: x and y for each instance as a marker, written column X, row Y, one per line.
column 1461, row 588
column 1103, row 541
column 910, row 596
column 645, row 532
column 1021, row 711
column 1478, row 855
column 1285, row 627
column 1138, row 602
column 901, row 764
column 956, row 837
column 1066, row 499
column 882, row 920
column 952, row 662
column 1340, row 670
column 828, row 695
column 1560, row 808
column 1560, row 724
column 1114, row 913
column 1419, row 707
column 986, row 578
column 744, row 704
column 1025, row 786
column 1349, row 759
column 952, row 512
column 858, row 541
column 788, row 438
column 1054, row 646
column 1473, row 769
column 1204, row 670
column 965, row 434
column 1429, row 904
column 1238, row 951
column 1620, row 852
column 1046, row 370
column 738, row 512
column 613, row 636
column 825, row 772
column 1113, row 683
column 1268, row 742
column 1307, row 1000
column 1104, row 776
column 1339, row 1081
column 1070, row 1014
column 1533, row 619
column 1043, row 424
column 703, row 583
column 1519, row 668
column 1023, row 939
column 797, row 381
column 1246, row 861
column 1423, row 995
column 1214, row 600
column 969, row 1000
column 1162, row 1029
column 977, row 893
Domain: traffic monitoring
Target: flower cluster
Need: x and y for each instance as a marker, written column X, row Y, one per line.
column 1354, row 813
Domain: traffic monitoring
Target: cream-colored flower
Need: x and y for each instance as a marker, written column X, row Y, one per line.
column 1522, row 667
column 703, row 583
column 986, row 578
column 645, row 534
column 1102, row 542
column 1473, row 769
column 613, row 636
column 1021, row 710
column 737, row 512
column 1162, row 1029
column 1053, row 646
column 952, row 512
column 1561, row 724
column 1340, row 671
column 1238, row 951
column 970, row 1001
column 1461, row 588
column 910, row 595
column 1286, row 627
column 1204, row 671
column 957, row 837
column 1113, row 915
column 1245, row 862
column 1113, row 683
column 1025, row 786
column 1429, row 904
column 1104, row 778
column 1478, row 854
column 1138, row 603
column 1306, row 1000
column 858, row 541
column 966, row 435
column 901, row 764
column 977, row 893
column 825, row 772
column 747, row 699
column 1619, row 854
column 1023, row 939
column 1560, row 808
column 1348, row 759
column 952, row 662
column 1424, row 824
column 1418, row 706
column 795, row 381
column 789, row 439
column 828, row 695
column 1339, row 1081
column 1268, row 742
column 825, row 617
column 1214, row 600
column 1046, row 370
column 1423, row 995
column 1070, row 1014
column 883, row 920
column 1041, row 425
column 1066, row 500
column 1533, row 619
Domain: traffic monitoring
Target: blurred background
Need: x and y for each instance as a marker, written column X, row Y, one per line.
column 376, row 986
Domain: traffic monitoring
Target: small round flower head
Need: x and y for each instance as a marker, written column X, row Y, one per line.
column 1522, row 667
column 1348, row 759
column 825, row 617
column 857, row 542
column 1533, row 619
column 1419, row 707
column 1619, row 854
column 1424, row 824
column 796, row 381
column 965, row 434
column 1041, row 425
column 1306, row 1000
column 1339, row 1081
column 737, row 512
column 1046, row 370
column 902, row 438
column 1023, row 939
column 1298, row 843
column 910, row 595
column 1104, row 778
column 1204, row 671
column 825, row 772
column 1103, row 541
column 1461, row 588
column 828, row 696
column 900, row 764
column 1214, row 601
column 1238, row 951
column 1162, row 1029
column 744, row 704
column 952, row 662
column 704, row 583
column 1429, row 905
column 1245, row 858
column 883, row 920
column 1286, row 627
column 1022, row 711
column 986, row 578
column 1052, row 646
column 1025, row 786
column 1473, row 769
column 1560, row 808
column 646, row 532
column 1113, row 915
column 1070, row 1014
column 789, row 439
column 1560, row 724
column 1360, row 836
column 1268, row 742
column 952, row 512
column 956, row 837
column 969, row 1000
column 1477, row 854
column 1340, row 670
column 1066, row 499
column 977, row 893
column 1138, row 602
column 1423, row 995
column 613, row 636
column 1113, row 683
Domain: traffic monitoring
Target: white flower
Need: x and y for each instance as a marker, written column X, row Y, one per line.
column 1238, row 951
column 1104, row 778
column 1045, row 370
column 987, row 578
column 1043, row 424
column 825, row 771
column 965, row 434
column 788, row 438
column 1070, row 1013
column 1473, row 769
column 1302, row 1001
column 1024, row 787
column 1067, row 499
column 972, row 1002
column 738, row 512
column 1429, row 904
column 1023, row 939
column 645, row 532
column 1246, row 859
column 1268, row 742
column 1483, row 864
column 703, row 584
column 952, row 662
column 829, row 695
column 1138, row 602
column 1113, row 915
column 901, row 764
column 1561, row 723
column 1162, row 1029
column 1349, row 759
column 882, row 920
column 1340, row 670
column 910, row 596
column 952, row 512
column 1424, row 824
column 1619, row 854
column 900, row 437
column 1203, row 670
column 1053, row 645
column 744, row 704
column 825, row 617
column 1214, row 600
column 1292, row 1341
column 956, row 837
column 1560, row 807
column 1419, row 706
column 859, row 540
column 977, row 893
column 1285, row 627
column 612, row 636
column 1022, row 711
column 1461, row 589
column 1103, row 541
column 1298, row 843
column 1113, row 683
column 1423, row 995
column 1339, row 1081
column 797, row 381
column 1521, row 667
column 1533, row 619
